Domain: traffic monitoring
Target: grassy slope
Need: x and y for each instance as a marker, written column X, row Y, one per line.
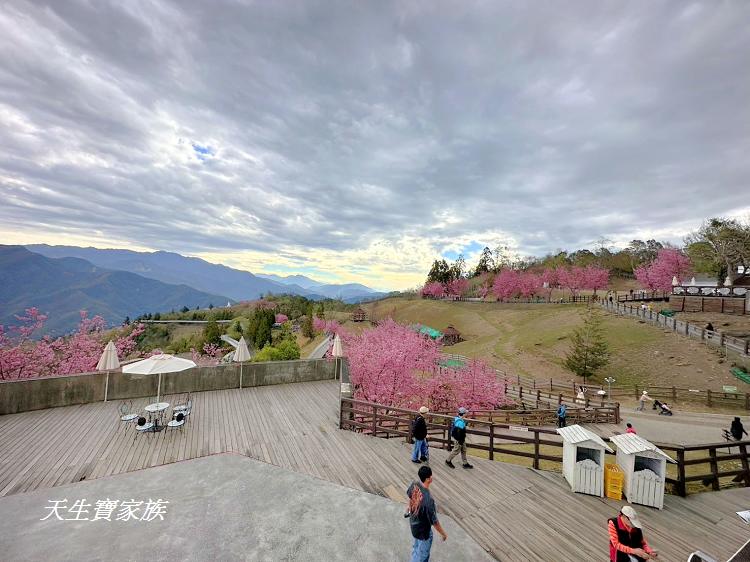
column 533, row 340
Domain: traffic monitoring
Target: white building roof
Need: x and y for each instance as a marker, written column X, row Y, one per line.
column 630, row 444
column 576, row 434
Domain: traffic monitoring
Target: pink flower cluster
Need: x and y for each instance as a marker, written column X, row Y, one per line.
column 393, row 365
column 281, row 318
column 22, row 357
column 510, row 283
column 658, row 275
column 326, row 326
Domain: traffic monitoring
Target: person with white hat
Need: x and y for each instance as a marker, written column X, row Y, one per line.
column 626, row 541
column 420, row 452
column 642, row 401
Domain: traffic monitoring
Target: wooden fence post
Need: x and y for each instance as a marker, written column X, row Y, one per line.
column 636, row 392
column 708, row 397
column 745, row 465
column 714, row 469
column 681, row 487
column 538, row 395
column 492, row 441
column 341, row 413
column 674, row 394
column 747, row 401
column 559, row 398
column 374, row 420
column 536, row 450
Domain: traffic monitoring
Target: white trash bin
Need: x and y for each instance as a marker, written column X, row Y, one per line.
column 583, row 460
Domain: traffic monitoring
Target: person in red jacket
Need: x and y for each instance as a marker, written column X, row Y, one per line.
column 626, row 541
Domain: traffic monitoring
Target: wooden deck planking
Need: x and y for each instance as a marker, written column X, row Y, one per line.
column 515, row 513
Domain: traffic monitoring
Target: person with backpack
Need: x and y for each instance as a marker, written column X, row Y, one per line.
column 420, row 452
column 626, row 541
column 458, row 433
column 562, row 414
column 422, row 514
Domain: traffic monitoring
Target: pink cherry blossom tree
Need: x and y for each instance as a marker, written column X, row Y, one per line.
column 458, row 287
column 281, row 318
column 572, row 278
column 22, row 357
column 658, row 275
column 433, row 290
column 506, row 284
column 595, row 277
column 550, row 279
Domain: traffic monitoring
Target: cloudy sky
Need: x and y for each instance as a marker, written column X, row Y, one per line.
column 358, row 141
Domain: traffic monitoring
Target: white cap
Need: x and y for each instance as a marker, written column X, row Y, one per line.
column 424, row 410
column 645, row 392
column 630, row 513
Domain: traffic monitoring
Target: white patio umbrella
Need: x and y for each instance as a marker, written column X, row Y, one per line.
column 108, row 362
column 337, row 351
column 241, row 354
column 158, row 364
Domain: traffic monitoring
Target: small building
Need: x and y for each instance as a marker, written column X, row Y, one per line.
column 359, row 315
column 583, row 460
column 645, row 468
column 451, row 336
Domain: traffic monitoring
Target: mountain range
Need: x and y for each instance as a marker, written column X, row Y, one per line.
column 115, row 283
column 236, row 284
column 62, row 287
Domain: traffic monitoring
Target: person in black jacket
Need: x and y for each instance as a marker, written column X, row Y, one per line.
column 420, row 453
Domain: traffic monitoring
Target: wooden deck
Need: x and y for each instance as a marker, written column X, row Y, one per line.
column 515, row 513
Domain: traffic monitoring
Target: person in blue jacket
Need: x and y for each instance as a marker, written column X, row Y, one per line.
column 562, row 413
column 458, row 433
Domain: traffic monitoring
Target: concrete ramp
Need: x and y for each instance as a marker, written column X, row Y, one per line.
column 222, row 507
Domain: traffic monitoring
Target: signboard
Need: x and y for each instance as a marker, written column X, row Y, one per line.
column 518, row 428
column 732, row 389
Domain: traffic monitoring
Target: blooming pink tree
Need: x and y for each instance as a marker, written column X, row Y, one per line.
column 550, row 279
column 326, row 326
column 529, row 284
column 572, row 278
column 595, row 277
column 658, row 275
column 23, row 357
column 393, row 365
column 506, row 284
column 210, row 357
column 281, row 318
column 387, row 363
column 433, row 290
column 458, row 287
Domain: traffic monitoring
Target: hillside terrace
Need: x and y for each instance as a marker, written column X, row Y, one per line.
column 511, row 512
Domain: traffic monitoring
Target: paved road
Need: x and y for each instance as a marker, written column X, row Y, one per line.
column 320, row 351
column 683, row 428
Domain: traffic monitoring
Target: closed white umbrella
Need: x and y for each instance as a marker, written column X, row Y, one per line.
column 108, row 362
column 158, row 364
column 337, row 351
column 241, row 354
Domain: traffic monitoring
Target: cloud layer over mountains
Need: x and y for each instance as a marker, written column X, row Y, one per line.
column 361, row 140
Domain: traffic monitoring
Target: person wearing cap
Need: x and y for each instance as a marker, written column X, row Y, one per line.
column 458, row 432
column 420, row 452
column 642, row 401
column 626, row 541
column 630, row 428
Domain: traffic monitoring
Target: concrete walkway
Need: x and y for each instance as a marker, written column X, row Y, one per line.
column 683, row 428
column 222, row 507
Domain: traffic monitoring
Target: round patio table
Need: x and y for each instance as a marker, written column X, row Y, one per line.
column 157, row 409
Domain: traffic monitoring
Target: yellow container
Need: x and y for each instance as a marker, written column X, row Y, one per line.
column 613, row 479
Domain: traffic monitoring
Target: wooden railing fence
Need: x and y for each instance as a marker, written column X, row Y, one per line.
column 484, row 433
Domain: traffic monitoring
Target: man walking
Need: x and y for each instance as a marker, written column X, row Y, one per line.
column 626, row 542
column 422, row 516
column 420, row 453
column 562, row 414
column 458, row 433
column 642, row 401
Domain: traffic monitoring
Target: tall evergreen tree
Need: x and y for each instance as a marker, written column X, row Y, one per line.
column 590, row 351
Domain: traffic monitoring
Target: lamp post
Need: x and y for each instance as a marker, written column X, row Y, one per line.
column 609, row 381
